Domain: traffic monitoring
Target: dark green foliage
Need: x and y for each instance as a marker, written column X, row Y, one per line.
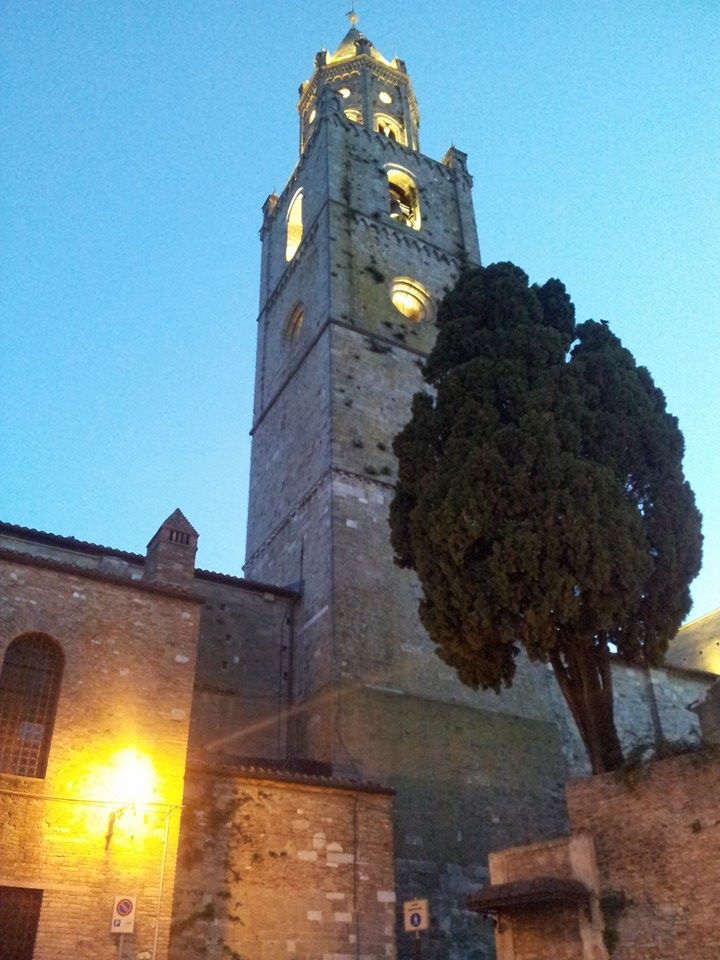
column 541, row 498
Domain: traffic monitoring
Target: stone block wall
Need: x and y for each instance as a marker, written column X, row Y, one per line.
column 129, row 656
column 467, row 781
column 675, row 691
column 240, row 705
column 292, row 870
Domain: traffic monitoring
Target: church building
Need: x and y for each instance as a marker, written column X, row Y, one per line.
column 200, row 766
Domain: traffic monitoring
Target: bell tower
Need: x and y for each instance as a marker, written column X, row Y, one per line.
column 357, row 251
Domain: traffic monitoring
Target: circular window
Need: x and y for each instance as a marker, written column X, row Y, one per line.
column 344, row 92
column 411, row 299
column 384, row 97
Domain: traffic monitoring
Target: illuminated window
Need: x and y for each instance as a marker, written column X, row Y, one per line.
column 19, row 915
column 384, row 97
column 411, row 299
column 295, row 322
column 389, row 127
column 29, row 688
column 352, row 114
column 311, row 118
column 404, row 202
column 344, row 92
column 294, row 225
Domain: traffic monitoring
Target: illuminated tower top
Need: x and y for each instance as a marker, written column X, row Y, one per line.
column 376, row 93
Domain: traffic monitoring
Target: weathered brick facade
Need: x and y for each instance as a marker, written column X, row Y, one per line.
column 645, row 845
column 127, row 684
column 293, row 869
column 657, row 841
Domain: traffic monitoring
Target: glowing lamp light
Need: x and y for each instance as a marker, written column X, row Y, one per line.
column 131, row 778
column 129, row 782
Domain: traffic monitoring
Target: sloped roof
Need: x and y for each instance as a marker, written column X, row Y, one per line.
column 526, row 894
column 697, row 644
column 346, row 49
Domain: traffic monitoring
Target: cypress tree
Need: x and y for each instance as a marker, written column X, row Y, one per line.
column 541, row 498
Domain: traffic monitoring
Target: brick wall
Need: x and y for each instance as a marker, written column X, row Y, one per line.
column 129, row 654
column 271, row 870
column 657, row 837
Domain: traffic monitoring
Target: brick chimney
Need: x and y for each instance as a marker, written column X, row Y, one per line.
column 170, row 558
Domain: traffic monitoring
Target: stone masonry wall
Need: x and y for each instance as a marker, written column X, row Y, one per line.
column 674, row 691
column 657, row 838
column 241, row 679
column 129, row 657
column 273, row 870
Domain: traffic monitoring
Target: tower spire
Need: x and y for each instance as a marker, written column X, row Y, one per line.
column 352, row 16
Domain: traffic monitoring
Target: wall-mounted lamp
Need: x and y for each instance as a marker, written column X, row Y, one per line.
column 130, row 779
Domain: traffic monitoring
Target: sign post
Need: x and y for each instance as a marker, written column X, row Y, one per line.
column 416, row 917
column 123, row 919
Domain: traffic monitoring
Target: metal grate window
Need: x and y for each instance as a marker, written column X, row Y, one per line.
column 19, row 915
column 29, row 687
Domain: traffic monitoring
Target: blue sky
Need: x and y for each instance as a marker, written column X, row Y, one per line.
column 141, row 138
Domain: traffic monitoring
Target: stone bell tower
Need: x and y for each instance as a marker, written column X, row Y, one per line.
column 357, row 251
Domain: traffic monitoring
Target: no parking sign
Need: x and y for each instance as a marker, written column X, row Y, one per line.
column 123, row 918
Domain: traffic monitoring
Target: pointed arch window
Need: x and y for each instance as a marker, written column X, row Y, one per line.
column 355, row 115
column 294, row 225
column 404, row 200
column 29, row 689
column 389, row 128
column 294, row 322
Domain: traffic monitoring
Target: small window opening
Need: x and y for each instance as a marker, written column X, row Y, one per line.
column 29, row 689
column 352, row 114
column 295, row 322
column 411, row 299
column 403, row 196
column 294, row 225
column 384, row 97
column 177, row 536
column 344, row 92
column 389, row 128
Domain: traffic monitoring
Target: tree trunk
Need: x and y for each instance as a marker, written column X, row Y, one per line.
column 584, row 676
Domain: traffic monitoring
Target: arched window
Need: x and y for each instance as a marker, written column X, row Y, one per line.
column 404, row 202
column 411, row 299
column 294, row 225
column 29, row 688
column 389, row 127
column 355, row 115
column 295, row 322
